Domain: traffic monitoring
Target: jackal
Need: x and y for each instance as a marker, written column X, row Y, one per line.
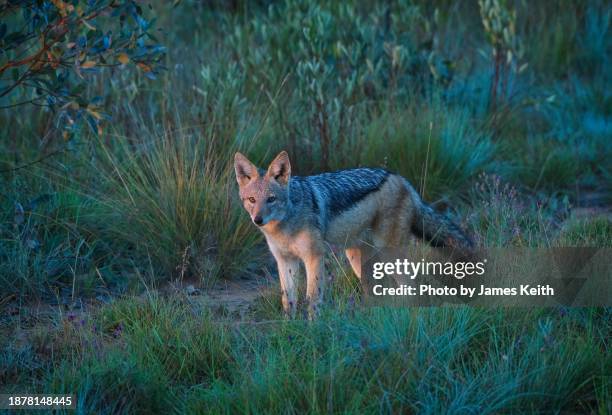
column 299, row 216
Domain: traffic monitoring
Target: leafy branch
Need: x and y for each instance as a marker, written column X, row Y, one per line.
column 48, row 49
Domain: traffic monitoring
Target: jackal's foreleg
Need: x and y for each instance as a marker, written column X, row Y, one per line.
column 315, row 283
column 287, row 271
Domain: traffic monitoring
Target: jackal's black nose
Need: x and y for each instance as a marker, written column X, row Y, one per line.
column 258, row 220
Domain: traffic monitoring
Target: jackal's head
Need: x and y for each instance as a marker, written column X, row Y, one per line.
column 264, row 194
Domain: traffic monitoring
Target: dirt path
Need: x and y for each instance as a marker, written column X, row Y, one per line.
column 230, row 297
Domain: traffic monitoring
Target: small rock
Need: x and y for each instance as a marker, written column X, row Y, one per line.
column 105, row 299
column 191, row 290
column 32, row 244
column 76, row 305
column 19, row 217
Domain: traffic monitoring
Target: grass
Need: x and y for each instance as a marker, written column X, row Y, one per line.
column 171, row 200
column 435, row 147
column 94, row 230
column 157, row 355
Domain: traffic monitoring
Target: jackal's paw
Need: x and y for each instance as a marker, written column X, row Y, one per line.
column 289, row 308
column 289, row 314
column 313, row 311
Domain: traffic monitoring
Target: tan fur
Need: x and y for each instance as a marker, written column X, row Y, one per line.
column 382, row 218
column 307, row 246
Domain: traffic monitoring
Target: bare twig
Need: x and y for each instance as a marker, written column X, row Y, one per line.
column 34, row 162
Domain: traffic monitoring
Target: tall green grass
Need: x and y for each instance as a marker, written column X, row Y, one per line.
column 162, row 201
column 172, row 199
column 436, row 147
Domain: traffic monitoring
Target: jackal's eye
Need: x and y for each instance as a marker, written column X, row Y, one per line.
column 271, row 199
column 252, row 199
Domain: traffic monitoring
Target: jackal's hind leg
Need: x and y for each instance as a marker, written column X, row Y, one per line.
column 354, row 257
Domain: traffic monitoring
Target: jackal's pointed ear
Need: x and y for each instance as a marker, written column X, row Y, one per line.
column 280, row 168
column 245, row 170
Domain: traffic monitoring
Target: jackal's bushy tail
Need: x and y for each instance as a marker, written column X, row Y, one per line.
column 440, row 231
